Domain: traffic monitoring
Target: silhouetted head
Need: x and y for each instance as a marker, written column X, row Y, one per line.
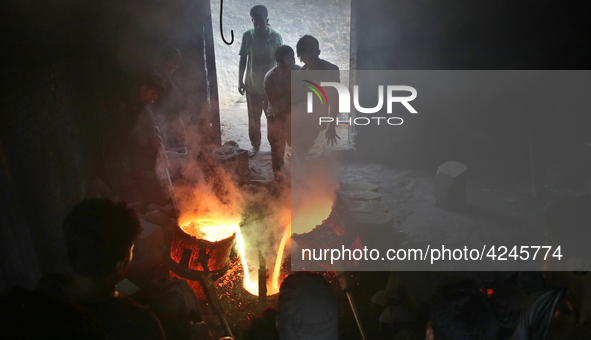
column 308, row 48
column 262, row 327
column 461, row 312
column 285, row 57
column 307, row 308
column 100, row 235
column 259, row 16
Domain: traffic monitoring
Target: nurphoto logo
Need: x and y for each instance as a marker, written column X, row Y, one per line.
column 344, row 102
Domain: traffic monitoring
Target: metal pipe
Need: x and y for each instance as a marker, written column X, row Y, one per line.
column 339, row 270
column 356, row 314
column 262, row 280
column 175, row 203
column 215, row 303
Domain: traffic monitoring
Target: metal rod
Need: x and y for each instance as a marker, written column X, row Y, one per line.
column 175, row 203
column 262, row 280
column 215, row 303
column 356, row 314
column 339, row 270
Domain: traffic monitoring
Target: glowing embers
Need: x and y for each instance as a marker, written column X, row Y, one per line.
column 209, row 230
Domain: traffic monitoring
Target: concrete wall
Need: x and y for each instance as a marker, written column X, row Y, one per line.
column 327, row 20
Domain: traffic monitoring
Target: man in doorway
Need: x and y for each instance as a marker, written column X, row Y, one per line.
column 278, row 89
column 308, row 50
column 256, row 59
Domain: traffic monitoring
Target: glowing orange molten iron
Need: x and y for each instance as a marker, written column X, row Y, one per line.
column 211, row 241
column 210, row 244
column 208, row 230
column 311, row 214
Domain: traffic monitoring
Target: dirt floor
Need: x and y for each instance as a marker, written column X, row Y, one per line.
column 234, row 122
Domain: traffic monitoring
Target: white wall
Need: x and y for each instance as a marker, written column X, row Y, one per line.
column 327, row 20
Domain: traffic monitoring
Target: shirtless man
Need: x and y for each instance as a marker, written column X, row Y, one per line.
column 305, row 125
column 308, row 51
column 278, row 90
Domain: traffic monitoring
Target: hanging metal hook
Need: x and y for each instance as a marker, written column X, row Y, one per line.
column 222, row 27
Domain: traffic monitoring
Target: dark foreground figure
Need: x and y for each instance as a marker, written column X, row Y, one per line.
column 100, row 235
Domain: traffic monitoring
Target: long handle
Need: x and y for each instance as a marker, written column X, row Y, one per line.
column 215, row 303
column 356, row 314
column 339, row 270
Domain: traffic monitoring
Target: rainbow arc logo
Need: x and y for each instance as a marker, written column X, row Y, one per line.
column 314, row 90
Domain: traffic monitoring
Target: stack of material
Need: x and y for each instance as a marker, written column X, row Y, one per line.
column 360, row 191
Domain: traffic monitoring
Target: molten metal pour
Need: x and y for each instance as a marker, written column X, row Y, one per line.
column 279, row 261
